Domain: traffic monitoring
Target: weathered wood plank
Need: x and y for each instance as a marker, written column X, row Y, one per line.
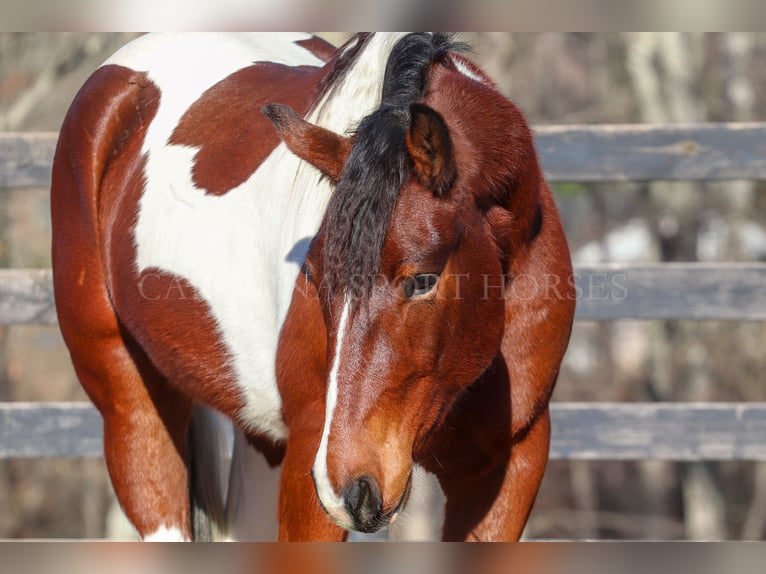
column 580, row 431
column 729, row 291
column 658, row 431
column 574, row 153
column 721, row 291
column 26, row 159
column 26, row 297
column 643, row 152
column 50, row 430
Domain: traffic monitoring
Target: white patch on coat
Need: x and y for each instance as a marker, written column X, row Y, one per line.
column 226, row 247
column 166, row 534
column 242, row 250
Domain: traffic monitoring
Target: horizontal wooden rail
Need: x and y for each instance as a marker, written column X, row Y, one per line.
column 572, row 153
column 26, row 159
column 722, row 291
column 50, row 430
column 640, row 152
column 26, row 297
column 580, row 431
column 658, row 431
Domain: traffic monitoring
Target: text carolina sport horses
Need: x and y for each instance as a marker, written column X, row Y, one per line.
column 382, row 284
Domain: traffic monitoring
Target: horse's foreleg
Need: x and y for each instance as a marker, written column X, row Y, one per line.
column 145, row 451
column 145, row 426
column 301, row 517
column 493, row 504
column 489, row 471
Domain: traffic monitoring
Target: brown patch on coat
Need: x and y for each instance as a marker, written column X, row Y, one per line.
column 227, row 125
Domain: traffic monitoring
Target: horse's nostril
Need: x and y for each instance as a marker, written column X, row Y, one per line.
column 363, row 501
column 359, row 496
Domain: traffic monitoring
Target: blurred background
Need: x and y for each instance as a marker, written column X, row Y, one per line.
column 555, row 78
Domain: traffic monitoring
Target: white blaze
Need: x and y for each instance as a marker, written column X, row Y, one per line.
column 327, row 495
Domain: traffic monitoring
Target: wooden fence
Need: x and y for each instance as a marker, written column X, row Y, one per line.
column 582, row 431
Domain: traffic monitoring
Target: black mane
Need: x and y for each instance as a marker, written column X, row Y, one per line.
column 360, row 208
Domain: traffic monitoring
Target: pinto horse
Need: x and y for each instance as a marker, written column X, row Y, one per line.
column 352, row 254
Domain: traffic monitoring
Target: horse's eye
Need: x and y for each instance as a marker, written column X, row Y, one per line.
column 419, row 284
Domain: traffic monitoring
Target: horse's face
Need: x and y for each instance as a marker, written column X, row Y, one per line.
column 401, row 344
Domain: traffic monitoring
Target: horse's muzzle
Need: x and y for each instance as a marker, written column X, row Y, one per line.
column 364, row 503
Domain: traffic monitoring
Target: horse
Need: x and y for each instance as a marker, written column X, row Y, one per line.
column 349, row 254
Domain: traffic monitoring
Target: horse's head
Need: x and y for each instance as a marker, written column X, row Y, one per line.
column 406, row 269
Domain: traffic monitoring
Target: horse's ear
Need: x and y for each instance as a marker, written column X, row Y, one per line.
column 430, row 148
column 325, row 150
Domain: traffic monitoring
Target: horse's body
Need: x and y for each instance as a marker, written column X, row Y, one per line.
column 181, row 224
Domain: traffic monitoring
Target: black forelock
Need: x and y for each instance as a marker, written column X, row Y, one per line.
column 409, row 62
column 359, row 211
column 357, row 214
